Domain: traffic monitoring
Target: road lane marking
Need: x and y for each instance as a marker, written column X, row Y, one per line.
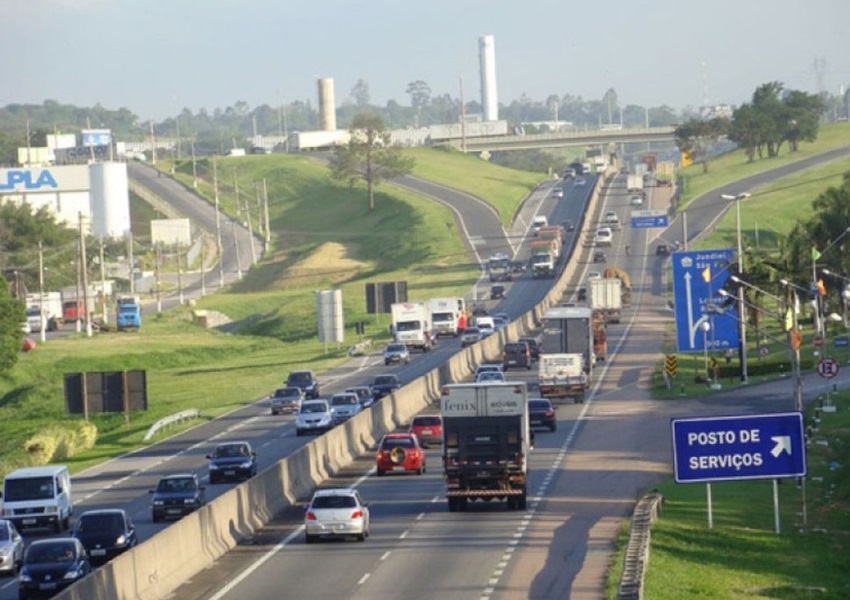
column 404, row 535
column 363, row 579
column 385, row 555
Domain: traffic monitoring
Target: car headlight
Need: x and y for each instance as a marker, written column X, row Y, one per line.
column 158, row 503
column 214, row 467
column 5, row 551
column 245, row 465
column 24, row 576
column 74, row 573
column 189, row 500
column 122, row 539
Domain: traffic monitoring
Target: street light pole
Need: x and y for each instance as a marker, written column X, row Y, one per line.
column 742, row 315
column 706, row 326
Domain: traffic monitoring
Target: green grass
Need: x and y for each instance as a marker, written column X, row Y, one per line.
column 742, row 556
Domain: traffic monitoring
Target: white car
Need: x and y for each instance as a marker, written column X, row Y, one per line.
column 636, row 201
column 557, row 192
column 612, row 219
column 489, row 368
column 486, row 325
column 344, row 406
column 336, row 512
column 314, row 416
column 604, row 237
column 490, row 377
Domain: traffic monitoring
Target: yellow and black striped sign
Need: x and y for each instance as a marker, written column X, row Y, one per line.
column 671, row 365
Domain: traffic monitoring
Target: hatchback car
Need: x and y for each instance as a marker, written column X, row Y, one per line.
column 286, row 400
column 557, row 192
column 612, row 219
column 487, row 367
column 533, row 346
column 364, row 394
column 336, row 512
column 500, row 322
column 314, row 417
column 176, row 495
column 636, row 201
column 568, row 225
column 516, row 354
column 497, row 292
column 396, row 353
column 469, row 336
column 305, row 380
column 105, row 533
column 541, row 413
column 400, row 453
column 662, row 250
column 384, row 385
column 599, row 257
column 50, row 566
column 604, row 237
column 344, row 406
column 486, row 325
column 232, row 461
column 490, row 377
column 428, row 428
column 11, row 547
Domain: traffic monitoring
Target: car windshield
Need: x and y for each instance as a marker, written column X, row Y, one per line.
column 396, row 348
column 334, row 502
column 426, row 421
column 385, row 380
column 314, row 407
column 176, row 485
column 104, row 522
column 300, row 377
column 403, row 442
column 4, row 534
column 50, row 553
column 471, row 331
column 287, row 393
column 32, row 488
column 231, row 451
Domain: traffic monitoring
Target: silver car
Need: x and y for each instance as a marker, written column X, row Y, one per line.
column 396, row 353
column 11, row 547
column 344, row 406
column 286, row 400
column 469, row 336
column 314, row 416
column 336, row 512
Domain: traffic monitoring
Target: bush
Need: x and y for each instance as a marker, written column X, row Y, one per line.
column 59, row 443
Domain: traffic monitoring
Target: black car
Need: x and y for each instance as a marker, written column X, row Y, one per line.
column 105, row 533
column 384, row 385
column 533, row 346
column 176, row 496
column 568, row 225
column 50, row 566
column 232, row 460
column 662, row 250
column 497, row 292
column 541, row 413
column 581, row 296
column 516, row 354
column 599, row 257
column 305, row 380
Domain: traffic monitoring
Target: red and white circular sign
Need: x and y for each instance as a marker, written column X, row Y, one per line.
column 818, row 341
column 828, row 367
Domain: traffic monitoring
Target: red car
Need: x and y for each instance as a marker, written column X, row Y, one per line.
column 428, row 428
column 400, row 453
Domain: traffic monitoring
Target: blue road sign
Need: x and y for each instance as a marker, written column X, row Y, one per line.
column 841, row 342
column 697, row 276
column 647, row 219
column 767, row 446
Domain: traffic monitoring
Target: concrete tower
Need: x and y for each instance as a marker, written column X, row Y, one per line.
column 327, row 109
column 487, row 58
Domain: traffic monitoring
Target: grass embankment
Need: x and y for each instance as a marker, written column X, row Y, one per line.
column 323, row 236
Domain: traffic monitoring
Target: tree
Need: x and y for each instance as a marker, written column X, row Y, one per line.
column 369, row 155
column 360, row 94
column 697, row 136
column 802, row 115
column 11, row 316
column 420, row 96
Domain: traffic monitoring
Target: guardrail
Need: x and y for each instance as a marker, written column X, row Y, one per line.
column 192, row 413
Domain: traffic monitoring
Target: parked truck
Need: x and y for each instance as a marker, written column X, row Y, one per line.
column 634, row 184
column 562, row 376
column 128, row 313
column 411, row 325
column 44, row 310
column 499, row 267
column 606, row 298
column 445, row 315
column 625, row 281
column 486, row 442
column 543, row 258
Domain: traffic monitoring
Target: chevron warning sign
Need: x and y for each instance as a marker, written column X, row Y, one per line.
column 671, row 365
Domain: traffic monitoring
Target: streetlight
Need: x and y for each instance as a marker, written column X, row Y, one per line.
column 742, row 322
column 706, row 327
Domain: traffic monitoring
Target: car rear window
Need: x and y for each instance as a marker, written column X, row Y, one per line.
column 514, row 347
column 538, row 404
column 426, row 421
column 344, row 400
column 334, row 502
column 397, row 443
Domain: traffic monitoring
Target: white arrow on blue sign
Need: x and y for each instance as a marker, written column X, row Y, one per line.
column 769, row 446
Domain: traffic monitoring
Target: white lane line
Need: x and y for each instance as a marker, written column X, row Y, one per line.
column 385, row 555
column 404, row 535
column 363, row 579
column 420, row 517
column 436, row 499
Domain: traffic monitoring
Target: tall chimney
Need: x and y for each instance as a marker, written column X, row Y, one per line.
column 327, row 110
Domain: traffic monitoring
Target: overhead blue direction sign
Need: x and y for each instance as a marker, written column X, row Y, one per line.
column 697, row 276
column 647, row 219
column 769, row 446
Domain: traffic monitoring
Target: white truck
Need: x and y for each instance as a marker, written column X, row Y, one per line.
column 44, row 310
column 606, row 297
column 486, row 442
column 445, row 316
column 499, row 266
column 634, row 184
column 411, row 325
column 562, row 376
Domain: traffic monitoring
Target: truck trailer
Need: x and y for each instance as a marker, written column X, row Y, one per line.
column 411, row 325
column 445, row 315
column 606, row 298
column 486, row 442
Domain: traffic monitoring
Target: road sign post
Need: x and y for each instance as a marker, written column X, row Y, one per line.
column 769, row 446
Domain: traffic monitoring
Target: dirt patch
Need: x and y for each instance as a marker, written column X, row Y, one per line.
column 330, row 262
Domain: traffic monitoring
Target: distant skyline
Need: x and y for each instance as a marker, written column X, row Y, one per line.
column 157, row 57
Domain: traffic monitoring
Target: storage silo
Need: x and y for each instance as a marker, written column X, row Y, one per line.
column 327, row 110
column 487, row 58
column 110, row 199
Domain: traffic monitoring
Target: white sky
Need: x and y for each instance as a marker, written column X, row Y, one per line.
column 156, row 57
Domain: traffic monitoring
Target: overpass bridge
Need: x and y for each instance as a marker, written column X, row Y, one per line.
column 563, row 138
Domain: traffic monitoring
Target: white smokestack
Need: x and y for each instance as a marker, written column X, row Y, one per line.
column 327, row 109
column 489, row 97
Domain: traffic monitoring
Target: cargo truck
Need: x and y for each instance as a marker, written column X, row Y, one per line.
column 499, row 266
column 562, row 376
column 543, row 257
column 486, row 442
column 626, row 283
column 44, row 310
column 128, row 313
column 445, row 316
column 411, row 325
column 634, row 184
column 606, row 298
column 569, row 330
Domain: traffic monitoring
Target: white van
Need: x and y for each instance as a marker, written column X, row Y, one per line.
column 538, row 223
column 38, row 497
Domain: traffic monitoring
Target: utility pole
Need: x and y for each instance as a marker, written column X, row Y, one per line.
column 158, row 281
column 266, row 213
column 179, row 273
column 203, row 268
column 153, row 146
column 236, row 193
column 77, row 295
column 42, row 320
column 132, row 262
column 194, row 167
column 250, row 233
column 218, row 228
column 103, row 312
column 462, row 119
column 236, row 244
column 83, row 264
